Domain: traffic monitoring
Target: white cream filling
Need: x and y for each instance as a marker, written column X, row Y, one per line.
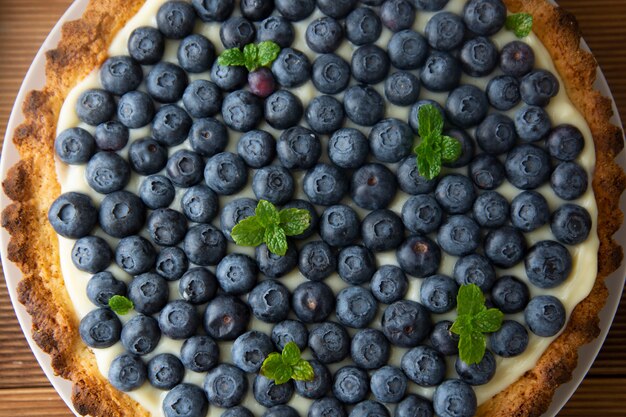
column 561, row 110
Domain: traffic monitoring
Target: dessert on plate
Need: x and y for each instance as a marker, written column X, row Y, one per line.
column 316, row 208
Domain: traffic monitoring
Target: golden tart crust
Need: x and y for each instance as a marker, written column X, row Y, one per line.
column 33, row 186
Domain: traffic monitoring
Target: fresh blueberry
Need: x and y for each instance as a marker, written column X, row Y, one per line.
column 228, row 78
column 167, row 227
column 370, row 64
column 491, row 209
column 505, row 247
column 204, row 245
column 141, row 335
column 545, row 315
column 202, row 98
column 199, row 353
column 298, row 148
column 485, row 17
column 226, row 173
column 419, row 256
column 95, row 107
column 455, row 193
column 149, row 293
column 479, row 373
column 422, row 214
column 324, row 35
column 185, row 400
column 261, row 82
column 479, row 57
column 382, row 230
column 350, row 385
column 339, row 226
column 324, row 114
column 165, row 371
column 373, row 2
column 409, row 179
column 529, row 211
column 269, row 301
column 91, row 254
column 185, row 168
column 391, row 140
column 388, row 384
column 441, row 72
column 527, row 166
column 548, row 264
column 330, row 74
column 267, row 393
column 277, row 29
column 295, row 10
column 443, row 339
column 283, row 110
column 363, row 26
column 234, row 212
column 238, row 411
column 510, row 340
column 532, row 123
column 510, row 295
column 474, row 269
column 325, row 184
column 197, row 285
column 571, row 224
column 369, row 408
column 565, row 142
column 496, row 134
column 356, row 264
column 337, row 9
column 317, row 260
column 503, row 92
column 397, row 15
column 569, row 180
column 102, row 286
column 110, row 136
column 356, row 307
column 213, row 10
column 369, row 349
column 166, row 82
column 121, row 214
column 250, row 350
column 146, row 45
column 171, row 125
column 275, row 266
column 237, row 32
column 373, row 186
column 257, row 148
column 414, row 405
column 454, row 398
column 438, row 293
column 226, row 317
column 242, row 111
column 467, row 106
column 208, row 136
column 135, row 255
column 171, row 263
column 406, row 323
column 236, row 273
column 147, row 157
column 517, row 59
column 127, row 372
column 363, row 105
column 312, row 302
column 292, row 68
column 225, row 385
column 318, row 386
column 389, row 284
column 424, row 365
column 256, row 9
column 402, row 88
column 487, row 171
column 290, row 331
column 538, row 87
column 445, row 31
column 348, row 148
column 407, row 50
column 100, row 328
column 467, row 148
column 281, row 411
column 199, row 204
column 120, row 74
column 329, row 342
column 175, row 19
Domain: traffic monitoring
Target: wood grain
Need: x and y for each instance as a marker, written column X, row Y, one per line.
column 25, row 391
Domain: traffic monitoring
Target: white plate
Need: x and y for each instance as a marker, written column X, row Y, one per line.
column 35, row 80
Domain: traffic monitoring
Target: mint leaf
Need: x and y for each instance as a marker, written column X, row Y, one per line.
column 472, row 347
column 463, row 324
column 274, row 368
column 268, row 52
column 291, row 354
column 231, row 58
column 488, row 321
column 120, row 304
column 266, row 213
column 450, row 149
column 276, row 239
column 470, row 300
column 250, row 56
column 294, row 221
column 281, row 367
column 428, row 161
column 303, row 371
column 430, row 121
column 521, row 24
column 248, row 232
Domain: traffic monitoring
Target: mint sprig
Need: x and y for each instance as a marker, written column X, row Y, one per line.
column 281, row 367
column 434, row 148
column 473, row 320
column 521, row 24
column 120, row 304
column 270, row 226
column 253, row 56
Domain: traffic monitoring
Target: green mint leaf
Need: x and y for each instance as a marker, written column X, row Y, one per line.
column 450, row 149
column 250, row 56
column 231, row 58
column 302, row 371
column 430, row 121
column 268, row 52
column 521, row 24
column 462, row 324
column 291, row 354
column 248, row 232
column 488, row 321
column 120, row 304
column 472, row 347
column 294, row 221
column 274, row 368
column 276, row 239
column 266, row 213
column 470, row 300
column 428, row 160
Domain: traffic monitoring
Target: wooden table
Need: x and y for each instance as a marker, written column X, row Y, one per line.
column 25, row 391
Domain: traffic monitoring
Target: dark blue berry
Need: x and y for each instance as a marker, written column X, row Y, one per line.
column 256, row 9
column 121, row 214
column 389, row 284
column 267, row 393
column 226, row 317
column 292, row 68
column 95, row 107
column 369, row 349
column 467, row 106
column 277, row 29
column 146, row 45
column 438, row 293
column 454, row 398
column 312, row 302
column 565, row 142
column 414, row 405
column 171, row 125
column 120, row 74
column 571, row 224
column 474, row 269
column 517, row 59
column 370, row 64
column 234, row 212
column 141, row 335
column 166, row 227
column 339, row 225
column 510, row 295
column 166, row 82
column 298, row 148
column 527, row 166
column 369, row 408
column 505, row 247
column 165, row 371
column 419, row 256
column 275, row 266
column 455, row 193
column 324, row 35
column 226, row 173
column 213, row 10
column 440, row 72
column 529, row 211
column 325, row 184
column 317, row 260
column 329, row 342
column 496, row 134
column 373, row 186
column 102, row 286
column 348, row 148
column 363, row 105
column 503, row 92
column 429, row 5
column 269, row 301
column 197, row 285
column 479, row 57
column 295, row 10
column 445, row 31
column 242, row 111
column 569, row 180
column 424, row 365
column 204, row 245
column 73, row 215
column 406, row 323
column 538, row 87
column 199, row 204
column 290, row 331
column 185, row 168
column 491, row 209
column 510, row 340
column 324, row 114
column 237, row 32
column 283, row 110
column 337, row 9
column 485, row 17
column 391, row 140
column 171, row 263
column 149, row 293
column 363, row 26
column 236, row 273
column 397, row 15
column 356, row 307
column 402, row 88
column 330, row 74
column 487, row 171
column 91, row 254
column 257, row 148
column 100, row 328
column 228, row 78
column 545, row 315
column 532, row 123
column 111, row 136
column 208, row 136
column 318, row 386
column 351, row 385
column 356, row 264
column 548, row 264
column 238, row 411
column 382, row 230
column 388, row 384
column 225, row 385
column 127, row 372
column 443, row 339
column 409, row 179
column 175, row 19
column 202, row 98
column 250, row 350
column 199, row 353
column 422, row 214
column 281, row 411
column 185, row 400
column 147, row 156
column 407, row 50
column 107, row 172
column 479, row 373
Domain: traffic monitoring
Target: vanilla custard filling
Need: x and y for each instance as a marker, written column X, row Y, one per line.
column 571, row 292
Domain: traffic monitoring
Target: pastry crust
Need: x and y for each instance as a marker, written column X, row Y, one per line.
column 34, row 245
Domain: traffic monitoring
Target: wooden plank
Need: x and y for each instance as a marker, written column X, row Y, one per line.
column 32, row 402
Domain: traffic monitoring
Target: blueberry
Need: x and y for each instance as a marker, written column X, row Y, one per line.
column 441, row 72
column 148, row 292
column 503, row 92
column 292, row 68
column 290, row 331
column 226, row 317
column 73, row 215
column 237, row 32
column 414, row 406
column 510, row 340
column 199, row 353
column 373, row 186
column 166, row 82
column 479, row 57
column 397, row 15
column 455, row 193
column 388, row 384
column 171, row 125
column 236, row 273
column 175, row 19
column 295, row 10
column 197, row 285
column 324, row 114
column 261, row 82
column 505, row 247
column 356, row 264
column 283, row 110
column 204, row 245
column 312, row 302
column 419, row 256
column 242, row 111
column 565, row 142
column 238, row 411
column 127, row 372
column 369, row 408
column 226, row 173
column 185, row 400
column 545, row 315
column 454, row 398
column 527, row 166
column 147, row 157
column 443, row 339
column 438, row 293
column 325, row 184
column 202, row 98
column 356, row 307
column 409, row 179
column 120, row 74
column 281, row 411
column 225, row 385
column 474, row 269
column 324, row 35
column 257, row 148
column 538, row 87
column 109, row 136
column 467, row 147
column 391, row 140
column 95, row 106
column 213, row 10
column 267, row 393
column 571, row 224
column 529, row 211
column 329, row 342
column 121, row 214
column 256, row 9
column 171, row 263
column 339, row 226
column 146, row 45
column 199, row 204
column 369, row 349
column 422, row 214
column 487, row 171
column 208, row 136
column 234, row 212
column 297, row 148
column 467, row 106
column 517, row 59
column 135, row 255
column 228, row 78
column 424, row 365
column 350, row 385
column 402, row 88
column 348, row 148
column 185, row 168
column 277, row 29
column 167, row 227
column 337, row 9
column 165, row 371
column 269, row 301
column 102, row 286
column 363, row 26
column 317, row 387
column 330, row 74
column 317, row 260
column 532, row 123
column 91, row 254
column 370, row 64
column 445, row 31
column 406, row 323
column 491, row 209
column 100, row 328
column 479, row 373
column 275, row 266
column 363, row 105
column 569, row 180
column 389, row 284
column 548, row 264
column 141, row 335
column 407, row 50
column 510, row 295
column 496, row 134
column 250, row 350
column 382, row 230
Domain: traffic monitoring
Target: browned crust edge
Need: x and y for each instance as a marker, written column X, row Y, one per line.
column 34, row 247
